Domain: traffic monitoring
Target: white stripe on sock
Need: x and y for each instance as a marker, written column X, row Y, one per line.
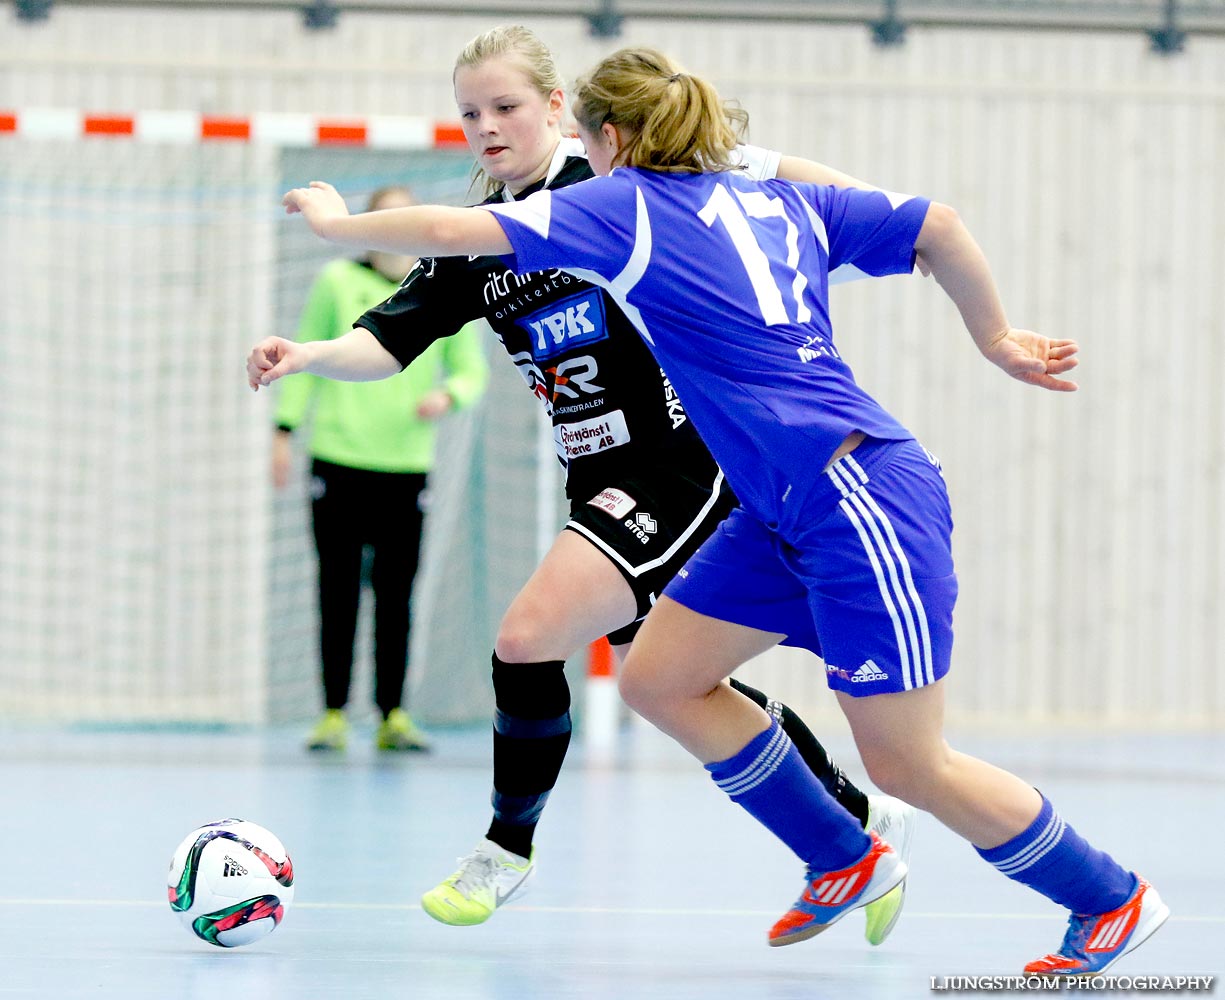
column 765, row 764
column 1036, row 849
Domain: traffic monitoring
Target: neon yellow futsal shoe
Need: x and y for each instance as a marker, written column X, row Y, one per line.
column 399, row 732
column 894, row 821
column 331, row 732
column 486, row 879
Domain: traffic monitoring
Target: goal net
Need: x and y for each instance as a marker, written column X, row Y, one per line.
column 149, row 572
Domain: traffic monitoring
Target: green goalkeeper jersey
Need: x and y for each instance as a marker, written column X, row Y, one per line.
column 374, row 425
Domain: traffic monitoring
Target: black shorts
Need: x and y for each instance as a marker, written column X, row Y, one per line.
column 648, row 527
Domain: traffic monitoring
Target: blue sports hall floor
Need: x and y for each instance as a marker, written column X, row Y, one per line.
column 649, row 882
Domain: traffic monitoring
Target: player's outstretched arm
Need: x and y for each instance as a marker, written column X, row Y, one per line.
column 423, row 230
column 798, row 169
column 355, row 357
column 961, row 268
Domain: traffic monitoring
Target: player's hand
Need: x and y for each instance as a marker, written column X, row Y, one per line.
column 434, row 404
column 1030, row 357
column 282, row 459
column 318, row 204
column 274, row 358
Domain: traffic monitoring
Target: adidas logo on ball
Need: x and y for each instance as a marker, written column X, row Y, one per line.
column 232, row 867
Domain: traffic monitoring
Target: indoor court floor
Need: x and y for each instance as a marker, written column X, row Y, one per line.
column 649, row 882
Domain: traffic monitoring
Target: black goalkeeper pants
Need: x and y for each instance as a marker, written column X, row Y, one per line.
column 353, row 508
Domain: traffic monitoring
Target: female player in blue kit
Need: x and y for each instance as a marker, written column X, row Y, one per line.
column 844, row 525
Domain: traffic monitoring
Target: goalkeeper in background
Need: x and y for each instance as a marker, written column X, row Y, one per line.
column 371, row 447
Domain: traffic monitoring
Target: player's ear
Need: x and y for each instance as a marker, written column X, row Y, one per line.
column 557, row 105
column 614, row 137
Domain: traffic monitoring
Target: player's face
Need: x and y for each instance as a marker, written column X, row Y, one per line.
column 510, row 126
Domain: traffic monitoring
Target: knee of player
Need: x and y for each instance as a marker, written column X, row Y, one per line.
column 917, row 780
column 523, row 640
column 894, row 775
column 637, row 687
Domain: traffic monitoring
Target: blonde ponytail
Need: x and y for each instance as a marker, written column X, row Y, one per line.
column 671, row 120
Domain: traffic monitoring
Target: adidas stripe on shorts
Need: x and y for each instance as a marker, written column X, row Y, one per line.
column 861, row 573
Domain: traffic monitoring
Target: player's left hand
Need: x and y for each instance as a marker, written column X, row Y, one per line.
column 1030, row 357
column 319, row 204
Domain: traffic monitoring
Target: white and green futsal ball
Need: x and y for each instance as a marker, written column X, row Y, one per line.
column 230, row 882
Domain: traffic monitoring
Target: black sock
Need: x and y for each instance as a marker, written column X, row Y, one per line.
column 815, row 756
column 531, row 733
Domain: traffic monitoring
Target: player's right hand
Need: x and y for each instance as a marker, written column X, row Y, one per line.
column 319, row 204
column 274, row 358
column 1033, row 358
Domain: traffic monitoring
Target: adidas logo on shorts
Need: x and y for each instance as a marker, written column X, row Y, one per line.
column 867, row 672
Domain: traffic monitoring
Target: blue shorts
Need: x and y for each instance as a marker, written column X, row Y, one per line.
column 861, row 573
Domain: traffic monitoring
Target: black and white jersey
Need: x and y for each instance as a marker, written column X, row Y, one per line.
column 613, row 409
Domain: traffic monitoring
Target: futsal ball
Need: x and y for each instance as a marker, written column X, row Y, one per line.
column 230, row 882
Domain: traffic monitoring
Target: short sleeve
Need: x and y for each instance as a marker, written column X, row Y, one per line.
column 758, row 163
column 870, row 232
column 435, row 300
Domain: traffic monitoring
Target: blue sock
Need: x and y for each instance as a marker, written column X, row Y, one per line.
column 1054, row 859
column 770, row 779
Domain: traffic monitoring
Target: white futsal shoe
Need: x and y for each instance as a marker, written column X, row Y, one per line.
column 894, row 821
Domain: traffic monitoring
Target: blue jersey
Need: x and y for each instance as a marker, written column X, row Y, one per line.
column 727, row 279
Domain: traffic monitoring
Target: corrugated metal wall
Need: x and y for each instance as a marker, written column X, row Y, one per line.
column 1089, row 538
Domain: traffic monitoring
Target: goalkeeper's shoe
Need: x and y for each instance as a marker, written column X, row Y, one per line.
column 894, row 821
column 829, row 896
column 1094, row 942
column 485, row 879
column 331, row 732
column 399, row 732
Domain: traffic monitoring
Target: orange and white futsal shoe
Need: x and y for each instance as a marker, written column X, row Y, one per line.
column 1094, row 942
column 830, row 896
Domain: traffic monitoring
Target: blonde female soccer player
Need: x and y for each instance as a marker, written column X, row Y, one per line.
column 644, row 491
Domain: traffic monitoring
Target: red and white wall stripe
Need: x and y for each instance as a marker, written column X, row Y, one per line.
column 374, row 132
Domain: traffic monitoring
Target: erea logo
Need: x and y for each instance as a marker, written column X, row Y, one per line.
column 566, row 324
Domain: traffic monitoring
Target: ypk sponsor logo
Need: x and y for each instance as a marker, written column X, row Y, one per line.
column 561, row 326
